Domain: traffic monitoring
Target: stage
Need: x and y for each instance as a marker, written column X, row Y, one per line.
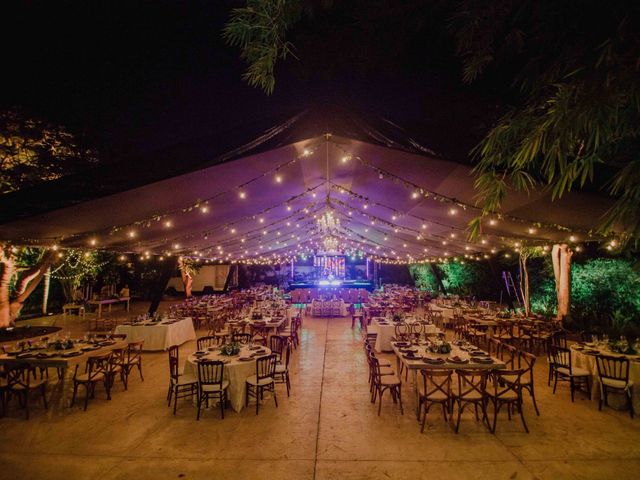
column 333, row 284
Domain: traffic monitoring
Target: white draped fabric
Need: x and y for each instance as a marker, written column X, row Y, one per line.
column 235, row 370
column 160, row 336
column 387, row 331
column 588, row 362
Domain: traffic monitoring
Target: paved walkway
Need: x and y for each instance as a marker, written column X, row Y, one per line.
column 327, row 429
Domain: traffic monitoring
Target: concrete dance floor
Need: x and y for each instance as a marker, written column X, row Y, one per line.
column 327, row 429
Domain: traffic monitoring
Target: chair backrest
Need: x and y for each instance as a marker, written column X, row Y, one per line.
column 561, row 356
column 117, row 358
column 265, row 367
column 277, row 344
column 241, row 337
column 18, row 376
column 134, row 351
column 402, row 331
column 374, row 364
column 206, row 342
column 559, row 338
column 174, row 362
column 210, row 372
column 97, row 365
column 471, row 382
column 287, row 354
column 509, row 355
column 506, row 381
column 436, row 381
column 614, row 368
column 495, row 347
column 416, row 328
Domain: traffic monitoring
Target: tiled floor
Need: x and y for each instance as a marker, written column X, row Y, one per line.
column 327, row 429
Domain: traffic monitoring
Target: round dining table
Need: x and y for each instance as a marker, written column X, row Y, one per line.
column 237, row 368
column 585, row 357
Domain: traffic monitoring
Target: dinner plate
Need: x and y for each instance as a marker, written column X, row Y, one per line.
column 458, row 361
column 433, row 361
column 411, row 357
column 486, row 360
column 245, row 359
column 71, row 354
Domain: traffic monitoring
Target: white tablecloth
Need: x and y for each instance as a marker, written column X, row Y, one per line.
column 387, row 332
column 160, row 336
column 588, row 362
column 235, row 371
column 317, row 307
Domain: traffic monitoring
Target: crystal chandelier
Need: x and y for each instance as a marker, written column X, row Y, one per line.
column 327, row 223
column 330, row 243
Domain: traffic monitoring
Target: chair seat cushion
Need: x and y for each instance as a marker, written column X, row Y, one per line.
column 524, row 379
column 575, row 372
column 253, row 380
column 186, row 379
column 215, row 388
column 84, row 377
column 387, row 371
column 389, row 380
column 33, row 384
column 502, row 393
column 281, row 368
column 619, row 384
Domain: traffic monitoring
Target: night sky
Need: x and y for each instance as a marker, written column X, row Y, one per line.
column 136, row 77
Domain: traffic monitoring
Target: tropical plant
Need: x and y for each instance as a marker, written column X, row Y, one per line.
column 32, row 151
column 258, row 29
column 576, row 115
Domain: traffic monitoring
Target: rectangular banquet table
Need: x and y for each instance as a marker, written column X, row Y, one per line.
column 160, row 336
column 63, row 360
column 109, row 302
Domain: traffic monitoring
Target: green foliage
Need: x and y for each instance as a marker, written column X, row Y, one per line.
column 423, row 277
column 602, row 286
column 575, row 68
column 79, row 267
column 32, row 151
column 258, row 29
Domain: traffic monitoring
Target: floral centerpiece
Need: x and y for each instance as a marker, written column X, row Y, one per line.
column 62, row 344
column 397, row 317
column 230, row 349
column 440, row 346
